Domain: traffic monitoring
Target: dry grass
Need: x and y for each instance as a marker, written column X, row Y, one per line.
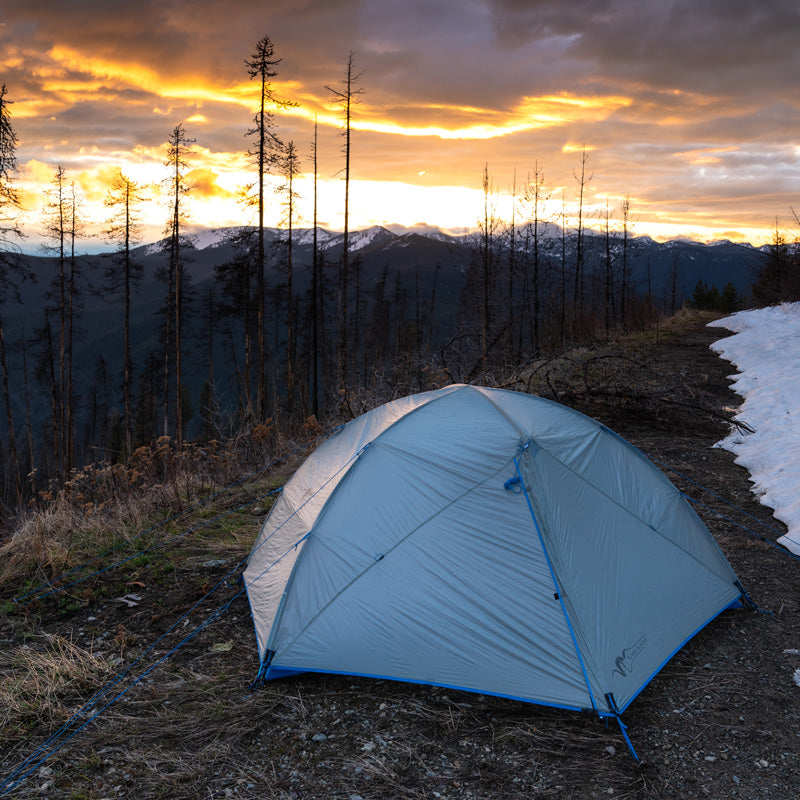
column 104, row 508
column 43, row 679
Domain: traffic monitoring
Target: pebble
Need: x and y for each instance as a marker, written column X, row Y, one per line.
column 319, row 737
column 611, row 750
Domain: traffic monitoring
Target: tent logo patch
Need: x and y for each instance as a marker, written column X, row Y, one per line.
column 628, row 657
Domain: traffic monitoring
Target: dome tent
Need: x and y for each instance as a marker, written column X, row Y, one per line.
column 484, row 540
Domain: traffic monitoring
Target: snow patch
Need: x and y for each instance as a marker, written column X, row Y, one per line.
column 766, row 350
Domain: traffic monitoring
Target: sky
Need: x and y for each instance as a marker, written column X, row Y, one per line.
column 687, row 107
column 765, row 349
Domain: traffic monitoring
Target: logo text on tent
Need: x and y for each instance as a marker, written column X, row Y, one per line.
column 625, row 661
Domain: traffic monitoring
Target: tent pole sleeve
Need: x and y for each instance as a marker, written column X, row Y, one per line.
column 559, row 593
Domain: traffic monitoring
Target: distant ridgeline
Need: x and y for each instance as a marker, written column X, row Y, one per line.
column 417, row 306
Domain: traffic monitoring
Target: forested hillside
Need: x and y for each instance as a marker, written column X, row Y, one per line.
column 420, row 311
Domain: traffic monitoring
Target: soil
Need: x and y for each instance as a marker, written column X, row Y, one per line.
column 721, row 720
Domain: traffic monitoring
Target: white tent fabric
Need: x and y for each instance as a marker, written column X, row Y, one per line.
column 485, row 540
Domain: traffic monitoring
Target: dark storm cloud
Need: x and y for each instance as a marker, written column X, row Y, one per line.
column 726, row 46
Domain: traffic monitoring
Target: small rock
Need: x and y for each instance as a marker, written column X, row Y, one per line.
column 319, row 737
column 711, row 758
column 218, row 562
column 130, row 600
column 611, row 750
column 763, row 763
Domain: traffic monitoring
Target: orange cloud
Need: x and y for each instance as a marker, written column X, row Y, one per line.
column 203, row 181
column 705, row 155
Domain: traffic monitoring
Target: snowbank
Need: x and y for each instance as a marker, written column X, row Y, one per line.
column 766, row 352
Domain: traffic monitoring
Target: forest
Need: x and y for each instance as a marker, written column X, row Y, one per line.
column 297, row 328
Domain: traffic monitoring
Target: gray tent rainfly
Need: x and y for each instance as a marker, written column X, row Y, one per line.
column 485, row 540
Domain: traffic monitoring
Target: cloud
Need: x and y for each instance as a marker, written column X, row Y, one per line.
column 203, row 183
column 673, row 98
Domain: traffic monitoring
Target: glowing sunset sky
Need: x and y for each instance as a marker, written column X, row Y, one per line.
column 690, row 107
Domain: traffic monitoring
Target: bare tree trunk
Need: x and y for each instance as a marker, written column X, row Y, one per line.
column 261, row 65
column 314, row 297
column 62, row 306
column 178, row 321
column 607, row 277
column 12, row 442
column 126, row 346
column 577, row 304
column 346, row 99
column 486, row 266
column 291, row 167
column 28, row 422
column 68, row 399
column 563, row 325
column 626, row 216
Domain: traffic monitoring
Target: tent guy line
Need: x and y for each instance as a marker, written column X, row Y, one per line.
column 66, row 732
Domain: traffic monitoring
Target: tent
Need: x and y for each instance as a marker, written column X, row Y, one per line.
column 484, row 540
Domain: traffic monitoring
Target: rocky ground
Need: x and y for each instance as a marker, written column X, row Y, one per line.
column 721, row 720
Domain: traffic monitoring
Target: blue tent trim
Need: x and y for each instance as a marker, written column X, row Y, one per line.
column 275, row 671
